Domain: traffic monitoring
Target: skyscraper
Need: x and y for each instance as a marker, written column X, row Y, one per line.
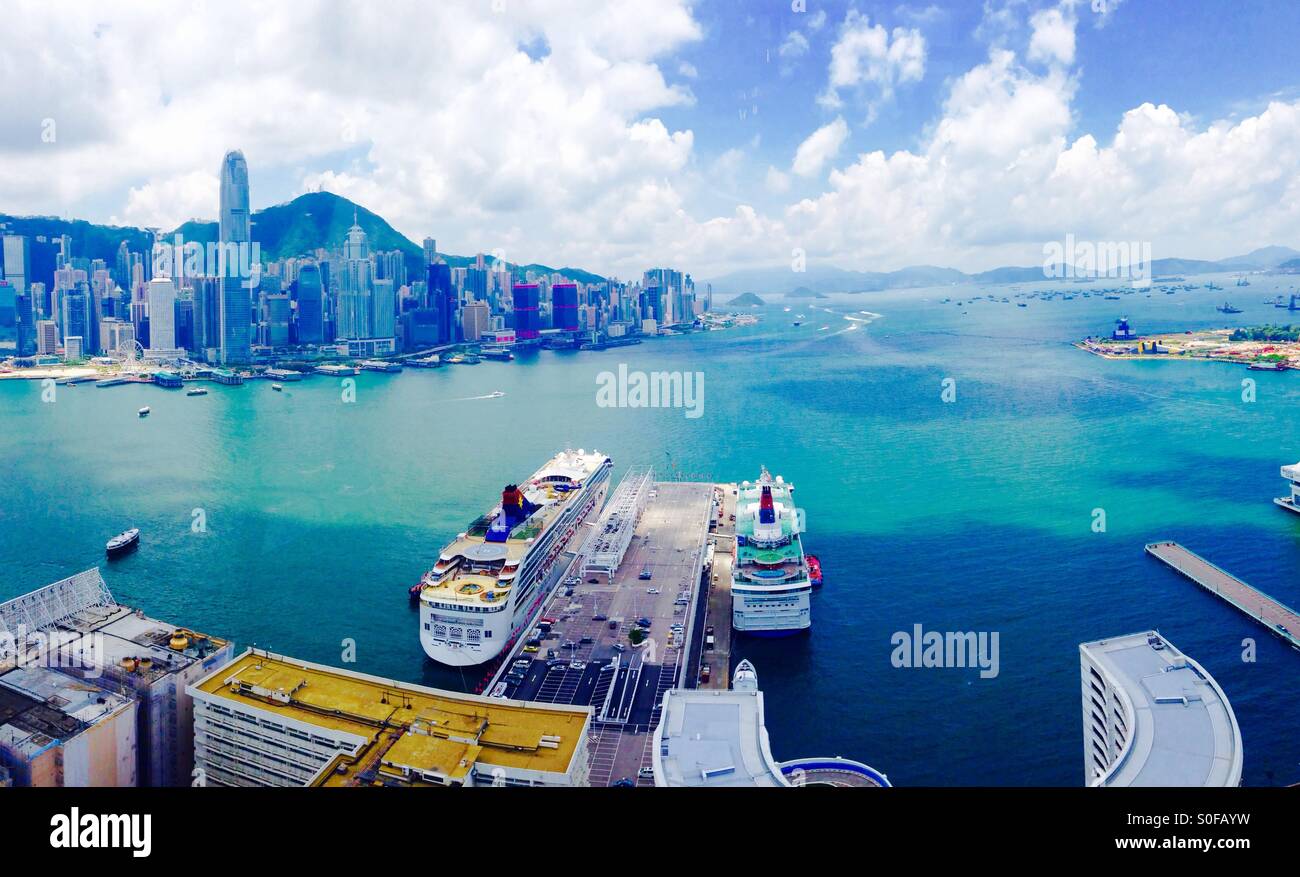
column 311, row 304
column 527, row 321
column 162, row 315
column 442, row 299
column 353, row 314
column 236, row 297
column 564, row 306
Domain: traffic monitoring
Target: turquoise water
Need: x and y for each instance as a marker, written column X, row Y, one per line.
column 970, row 515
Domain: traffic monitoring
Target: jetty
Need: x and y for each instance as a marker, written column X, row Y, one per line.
column 1279, row 618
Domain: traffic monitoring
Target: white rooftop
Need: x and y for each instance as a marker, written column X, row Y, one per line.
column 1184, row 733
column 714, row 738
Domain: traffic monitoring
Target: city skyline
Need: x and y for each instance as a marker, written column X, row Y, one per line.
column 897, row 127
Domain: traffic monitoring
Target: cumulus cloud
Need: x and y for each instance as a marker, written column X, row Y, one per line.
column 820, row 147
column 448, row 119
column 1053, row 36
column 872, row 61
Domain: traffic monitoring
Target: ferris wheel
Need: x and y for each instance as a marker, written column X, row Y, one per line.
column 131, row 352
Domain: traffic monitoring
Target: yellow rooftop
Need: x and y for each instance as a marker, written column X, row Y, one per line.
column 410, row 726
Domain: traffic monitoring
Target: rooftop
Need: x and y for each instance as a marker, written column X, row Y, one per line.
column 714, row 738
column 1185, row 733
column 407, row 725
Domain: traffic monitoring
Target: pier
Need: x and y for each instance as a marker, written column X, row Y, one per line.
column 1279, row 618
column 642, row 560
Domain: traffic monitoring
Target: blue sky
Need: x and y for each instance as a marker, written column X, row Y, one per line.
column 709, row 134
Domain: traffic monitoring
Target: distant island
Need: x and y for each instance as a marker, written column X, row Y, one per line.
column 1263, row 348
column 748, row 300
column 805, row 292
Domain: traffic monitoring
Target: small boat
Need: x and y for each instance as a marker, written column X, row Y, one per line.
column 797, row 323
column 143, row 412
column 196, row 391
column 1267, row 366
column 123, row 543
column 814, row 570
column 277, row 387
column 414, row 591
column 495, row 394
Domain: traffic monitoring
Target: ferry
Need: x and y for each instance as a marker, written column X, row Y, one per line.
column 771, row 584
column 490, row 582
column 143, row 412
column 497, row 353
column 196, row 391
column 123, row 543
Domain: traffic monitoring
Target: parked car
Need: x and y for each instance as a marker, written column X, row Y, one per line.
column 600, row 617
column 646, row 773
column 643, row 622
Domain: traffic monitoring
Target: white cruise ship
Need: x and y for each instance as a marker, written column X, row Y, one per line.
column 770, row 583
column 489, row 583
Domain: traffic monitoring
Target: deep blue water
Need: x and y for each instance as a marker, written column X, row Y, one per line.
column 970, row 515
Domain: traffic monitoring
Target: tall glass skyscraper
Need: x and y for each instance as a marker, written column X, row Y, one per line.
column 311, row 305
column 236, row 296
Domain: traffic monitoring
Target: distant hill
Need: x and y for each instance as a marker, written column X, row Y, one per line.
column 317, row 220
column 805, row 292
column 747, row 300
column 780, row 280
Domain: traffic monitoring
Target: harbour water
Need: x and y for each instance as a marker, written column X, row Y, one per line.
column 296, row 521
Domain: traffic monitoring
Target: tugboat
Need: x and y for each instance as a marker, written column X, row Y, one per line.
column 814, row 570
column 123, row 543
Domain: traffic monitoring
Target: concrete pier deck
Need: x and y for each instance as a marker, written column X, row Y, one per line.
column 1279, row 618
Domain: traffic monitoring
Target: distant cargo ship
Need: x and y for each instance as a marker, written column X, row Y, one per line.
column 771, row 586
column 489, row 583
column 1227, row 308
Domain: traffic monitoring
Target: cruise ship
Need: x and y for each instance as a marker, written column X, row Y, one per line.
column 770, row 582
column 491, row 581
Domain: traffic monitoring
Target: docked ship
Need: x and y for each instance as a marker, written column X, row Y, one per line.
column 770, row 581
column 491, row 581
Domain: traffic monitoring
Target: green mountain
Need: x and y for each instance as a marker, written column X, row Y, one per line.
column 317, row 220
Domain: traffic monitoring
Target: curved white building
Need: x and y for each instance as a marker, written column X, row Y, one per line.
column 1154, row 717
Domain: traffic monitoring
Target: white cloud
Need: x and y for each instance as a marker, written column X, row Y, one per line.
column 820, row 147
column 1053, row 36
column 562, row 155
column 795, row 45
column 687, row 69
column 872, row 60
column 469, row 138
column 776, row 181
